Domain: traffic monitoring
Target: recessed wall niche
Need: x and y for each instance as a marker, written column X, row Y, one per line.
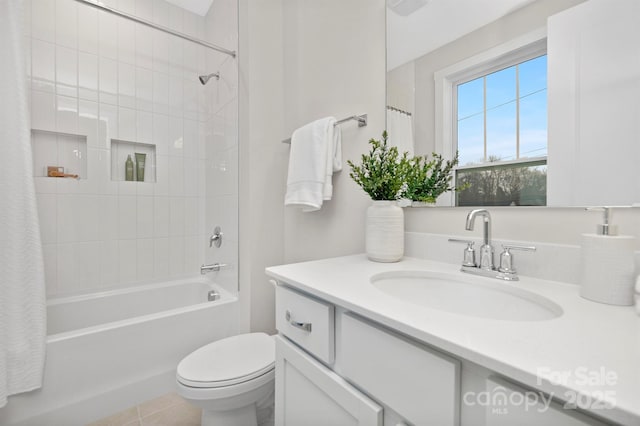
column 60, row 150
column 121, row 150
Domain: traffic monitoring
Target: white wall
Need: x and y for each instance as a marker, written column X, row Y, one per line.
column 105, row 77
column 263, row 158
column 334, row 65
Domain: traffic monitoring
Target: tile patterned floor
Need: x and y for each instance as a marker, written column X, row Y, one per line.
column 167, row 410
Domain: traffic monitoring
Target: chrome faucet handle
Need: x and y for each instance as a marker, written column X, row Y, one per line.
column 469, row 253
column 216, row 238
column 506, row 258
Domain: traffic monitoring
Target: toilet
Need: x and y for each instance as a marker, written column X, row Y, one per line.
column 232, row 380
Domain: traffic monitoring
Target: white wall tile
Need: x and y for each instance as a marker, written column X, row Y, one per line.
column 108, row 80
column 66, row 71
column 161, row 52
column 108, row 126
column 144, row 46
column 67, row 23
column 48, row 217
column 162, row 175
column 127, row 261
column 109, row 271
column 161, row 134
column 43, row 67
column 88, row 76
column 89, row 257
column 67, row 114
column 50, row 254
column 144, row 130
column 161, row 257
column 176, row 216
column 127, row 217
column 145, row 218
column 176, row 176
column 176, row 137
column 190, row 139
column 67, row 268
column 191, row 222
column 144, row 89
column 160, row 93
column 161, row 217
column 176, row 256
column 88, row 29
column 192, row 255
column 176, row 96
column 126, row 85
column 191, row 175
column 43, row 19
column 88, row 119
column 126, row 41
column 145, row 259
column 127, row 124
column 107, row 35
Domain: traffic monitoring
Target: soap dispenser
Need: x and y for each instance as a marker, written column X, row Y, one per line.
column 607, row 263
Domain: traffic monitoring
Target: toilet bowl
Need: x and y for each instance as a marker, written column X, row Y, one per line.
column 232, row 380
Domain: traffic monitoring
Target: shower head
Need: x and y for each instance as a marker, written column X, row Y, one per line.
column 205, row 78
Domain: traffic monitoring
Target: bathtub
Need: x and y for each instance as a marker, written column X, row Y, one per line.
column 111, row 350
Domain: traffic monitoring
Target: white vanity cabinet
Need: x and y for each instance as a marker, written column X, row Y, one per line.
column 334, row 367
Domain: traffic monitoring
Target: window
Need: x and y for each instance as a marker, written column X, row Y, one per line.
column 492, row 110
column 501, row 134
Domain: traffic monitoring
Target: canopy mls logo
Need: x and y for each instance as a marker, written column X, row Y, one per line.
column 501, row 400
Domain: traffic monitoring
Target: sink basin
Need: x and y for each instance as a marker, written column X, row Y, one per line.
column 466, row 295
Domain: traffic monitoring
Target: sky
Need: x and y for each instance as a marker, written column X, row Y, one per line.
column 501, row 111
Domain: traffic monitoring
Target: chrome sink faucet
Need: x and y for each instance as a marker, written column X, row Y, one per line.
column 486, row 268
column 486, row 251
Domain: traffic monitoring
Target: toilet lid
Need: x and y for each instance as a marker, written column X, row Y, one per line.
column 228, row 361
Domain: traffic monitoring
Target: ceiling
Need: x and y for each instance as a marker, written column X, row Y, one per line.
column 200, row 7
column 437, row 23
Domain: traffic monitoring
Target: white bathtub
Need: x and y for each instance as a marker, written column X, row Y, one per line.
column 111, row 350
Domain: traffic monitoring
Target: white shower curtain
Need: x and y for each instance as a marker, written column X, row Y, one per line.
column 22, row 293
column 400, row 131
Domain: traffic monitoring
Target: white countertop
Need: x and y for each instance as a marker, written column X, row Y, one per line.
column 587, row 339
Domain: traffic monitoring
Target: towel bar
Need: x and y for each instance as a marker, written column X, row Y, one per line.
column 361, row 119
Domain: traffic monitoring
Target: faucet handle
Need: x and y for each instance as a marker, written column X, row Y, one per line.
column 469, row 253
column 506, row 258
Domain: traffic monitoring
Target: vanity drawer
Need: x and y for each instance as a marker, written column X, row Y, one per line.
column 420, row 384
column 306, row 321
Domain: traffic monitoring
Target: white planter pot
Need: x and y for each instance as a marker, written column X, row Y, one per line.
column 385, row 232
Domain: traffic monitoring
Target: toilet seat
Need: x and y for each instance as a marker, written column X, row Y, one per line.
column 227, row 362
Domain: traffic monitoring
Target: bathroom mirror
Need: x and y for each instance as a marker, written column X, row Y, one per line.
column 470, row 74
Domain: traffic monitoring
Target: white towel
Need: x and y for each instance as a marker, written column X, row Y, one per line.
column 316, row 153
column 22, row 294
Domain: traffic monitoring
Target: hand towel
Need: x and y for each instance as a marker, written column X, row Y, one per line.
column 316, row 153
column 22, row 293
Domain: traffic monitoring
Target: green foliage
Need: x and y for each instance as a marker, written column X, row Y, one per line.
column 428, row 179
column 382, row 171
column 384, row 174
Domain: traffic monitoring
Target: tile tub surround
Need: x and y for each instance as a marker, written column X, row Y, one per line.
column 103, row 77
column 167, row 410
column 588, row 335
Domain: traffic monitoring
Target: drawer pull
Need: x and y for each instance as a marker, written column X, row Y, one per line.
column 306, row 326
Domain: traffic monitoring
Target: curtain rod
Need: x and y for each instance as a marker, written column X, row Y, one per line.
column 362, row 120
column 150, row 24
column 399, row 110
